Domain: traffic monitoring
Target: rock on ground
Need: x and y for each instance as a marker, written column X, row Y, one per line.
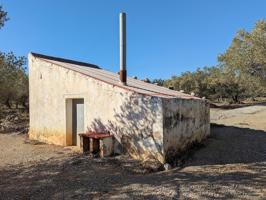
column 14, row 120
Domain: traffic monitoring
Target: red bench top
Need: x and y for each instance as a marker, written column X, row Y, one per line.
column 95, row 135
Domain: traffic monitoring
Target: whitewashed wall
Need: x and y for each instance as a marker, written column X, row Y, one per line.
column 135, row 120
column 186, row 121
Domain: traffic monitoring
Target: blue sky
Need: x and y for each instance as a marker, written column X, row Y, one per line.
column 164, row 37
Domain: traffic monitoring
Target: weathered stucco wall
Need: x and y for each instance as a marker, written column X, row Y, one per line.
column 49, row 87
column 135, row 120
column 185, row 121
column 146, row 126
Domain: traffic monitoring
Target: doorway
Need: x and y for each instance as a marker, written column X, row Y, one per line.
column 74, row 120
column 77, row 120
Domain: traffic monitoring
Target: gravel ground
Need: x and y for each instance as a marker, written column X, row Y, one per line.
column 230, row 165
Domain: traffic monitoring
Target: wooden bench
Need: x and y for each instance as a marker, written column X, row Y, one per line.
column 95, row 142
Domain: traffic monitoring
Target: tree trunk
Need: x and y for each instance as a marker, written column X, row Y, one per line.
column 7, row 103
column 24, row 104
column 235, row 99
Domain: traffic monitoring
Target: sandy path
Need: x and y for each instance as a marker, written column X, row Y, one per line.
column 249, row 117
column 16, row 149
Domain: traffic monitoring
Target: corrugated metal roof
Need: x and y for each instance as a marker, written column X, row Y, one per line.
column 96, row 72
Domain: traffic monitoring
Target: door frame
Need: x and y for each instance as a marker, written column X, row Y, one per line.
column 77, row 124
column 69, row 117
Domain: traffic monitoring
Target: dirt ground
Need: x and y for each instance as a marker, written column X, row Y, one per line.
column 230, row 165
column 252, row 117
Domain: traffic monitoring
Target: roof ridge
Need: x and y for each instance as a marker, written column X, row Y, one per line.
column 65, row 60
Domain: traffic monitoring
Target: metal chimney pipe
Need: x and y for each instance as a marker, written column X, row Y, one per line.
column 123, row 70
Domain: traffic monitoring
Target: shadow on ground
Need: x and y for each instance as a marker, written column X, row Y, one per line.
column 205, row 175
column 229, row 145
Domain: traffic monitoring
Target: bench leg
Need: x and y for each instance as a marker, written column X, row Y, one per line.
column 91, row 145
column 81, row 144
column 101, row 148
column 84, row 144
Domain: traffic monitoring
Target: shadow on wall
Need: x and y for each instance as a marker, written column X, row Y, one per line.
column 133, row 127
